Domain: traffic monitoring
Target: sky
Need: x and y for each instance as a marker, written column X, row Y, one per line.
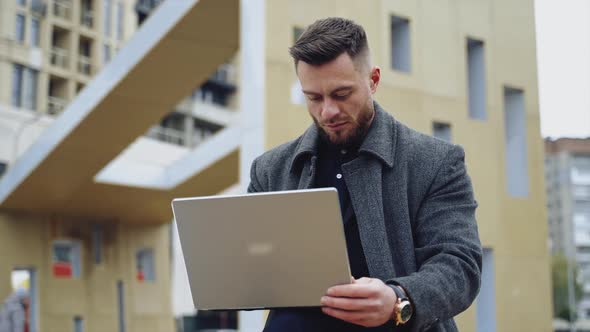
column 563, row 56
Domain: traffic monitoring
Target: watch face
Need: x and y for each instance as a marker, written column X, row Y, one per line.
column 405, row 312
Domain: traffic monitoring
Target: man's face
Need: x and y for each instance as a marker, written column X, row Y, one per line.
column 339, row 97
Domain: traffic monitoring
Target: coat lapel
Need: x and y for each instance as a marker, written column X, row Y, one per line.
column 308, row 172
column 363, row 180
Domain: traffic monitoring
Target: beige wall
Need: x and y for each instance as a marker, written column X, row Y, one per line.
column 436, row 89
column 93, row 296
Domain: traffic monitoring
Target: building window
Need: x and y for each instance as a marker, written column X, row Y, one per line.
column 400, row 44
column 21, row 2
column 106, row 54
column 107, row 11
column 3, row 168
column 144, row 8
column 29, row 100
column 24, row 87
column 19, row 32
column 17, row 83
column 476, row 77
column 84, row 58
column 35, row 27
column 78, row 324
column 442, row 131
column 145, row 265
column 62, row 9
column 66, row 259
column 516, row 144
column 86, row 15
column 97, row 239
column 120, row 17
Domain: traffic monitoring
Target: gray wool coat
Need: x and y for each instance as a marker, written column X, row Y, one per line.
column 415, row 209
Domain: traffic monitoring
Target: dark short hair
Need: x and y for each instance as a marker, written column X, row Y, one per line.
column 325, row 39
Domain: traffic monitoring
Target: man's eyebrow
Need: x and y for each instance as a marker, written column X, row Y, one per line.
column 342, row 88
column 310, row 92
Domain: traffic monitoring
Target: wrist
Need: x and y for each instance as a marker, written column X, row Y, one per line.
column 402, row 308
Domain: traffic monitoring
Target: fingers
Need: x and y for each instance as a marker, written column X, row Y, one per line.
column 365, row 302
column 355, row 317
column 359, row 289
column 351, row 304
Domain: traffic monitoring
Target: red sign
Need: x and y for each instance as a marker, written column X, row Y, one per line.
column 62, row 270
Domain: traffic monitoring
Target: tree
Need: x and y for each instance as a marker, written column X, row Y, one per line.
column 559, row 274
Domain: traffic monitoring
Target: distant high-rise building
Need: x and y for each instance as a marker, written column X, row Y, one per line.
column 567, row 179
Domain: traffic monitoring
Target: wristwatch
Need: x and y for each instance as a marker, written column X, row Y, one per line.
column 402, row 309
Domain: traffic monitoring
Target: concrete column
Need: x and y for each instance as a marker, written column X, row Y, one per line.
column 252, row 109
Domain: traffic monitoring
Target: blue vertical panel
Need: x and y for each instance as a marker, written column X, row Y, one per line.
column 486, row 300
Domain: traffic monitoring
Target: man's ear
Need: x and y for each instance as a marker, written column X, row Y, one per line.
column 375, row 78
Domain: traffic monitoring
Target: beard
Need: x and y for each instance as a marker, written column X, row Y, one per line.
column 355, row 136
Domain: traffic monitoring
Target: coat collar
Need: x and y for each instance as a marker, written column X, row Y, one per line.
column 379, row 142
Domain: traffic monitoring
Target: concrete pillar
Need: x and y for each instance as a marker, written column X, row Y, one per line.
column 252, row 109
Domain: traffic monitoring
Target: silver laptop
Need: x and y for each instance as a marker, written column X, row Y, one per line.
column 264, row 250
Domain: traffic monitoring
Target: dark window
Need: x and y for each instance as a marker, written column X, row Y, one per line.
column 442, row 131
column 97, row 239
column 19, row 33
column 145, row 265
column 476, row 76
column 400, row 44
column 3, row 168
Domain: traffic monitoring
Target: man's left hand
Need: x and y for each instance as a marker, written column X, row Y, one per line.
column 367, row 302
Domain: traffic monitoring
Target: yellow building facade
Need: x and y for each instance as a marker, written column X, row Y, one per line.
column 503, row 146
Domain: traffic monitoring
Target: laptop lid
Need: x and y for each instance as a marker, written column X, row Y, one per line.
column 263, row 250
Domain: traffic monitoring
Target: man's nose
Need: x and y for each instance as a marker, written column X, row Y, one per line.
column 329, row 110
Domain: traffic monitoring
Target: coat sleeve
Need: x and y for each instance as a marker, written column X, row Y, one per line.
column 447, row 247
column 254, row 185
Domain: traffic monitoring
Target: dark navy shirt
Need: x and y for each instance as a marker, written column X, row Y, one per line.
column 329, row 174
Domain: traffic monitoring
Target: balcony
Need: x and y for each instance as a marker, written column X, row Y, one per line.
column 224, row 78
column 59, row 57
column 84, row 65
column 167, row 135
column 87, row 18
column 55, row 105
column 62, row 9
column 584, row 258
column 38, row 8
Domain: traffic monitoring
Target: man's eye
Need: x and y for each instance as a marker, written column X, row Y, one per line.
column 342, row 95
column 314, row 98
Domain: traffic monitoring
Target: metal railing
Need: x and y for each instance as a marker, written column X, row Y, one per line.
column 167, row 135
column 59, row 57
column 84, row 65
column 55, row 105
column 62, row 8
column 225, row 73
